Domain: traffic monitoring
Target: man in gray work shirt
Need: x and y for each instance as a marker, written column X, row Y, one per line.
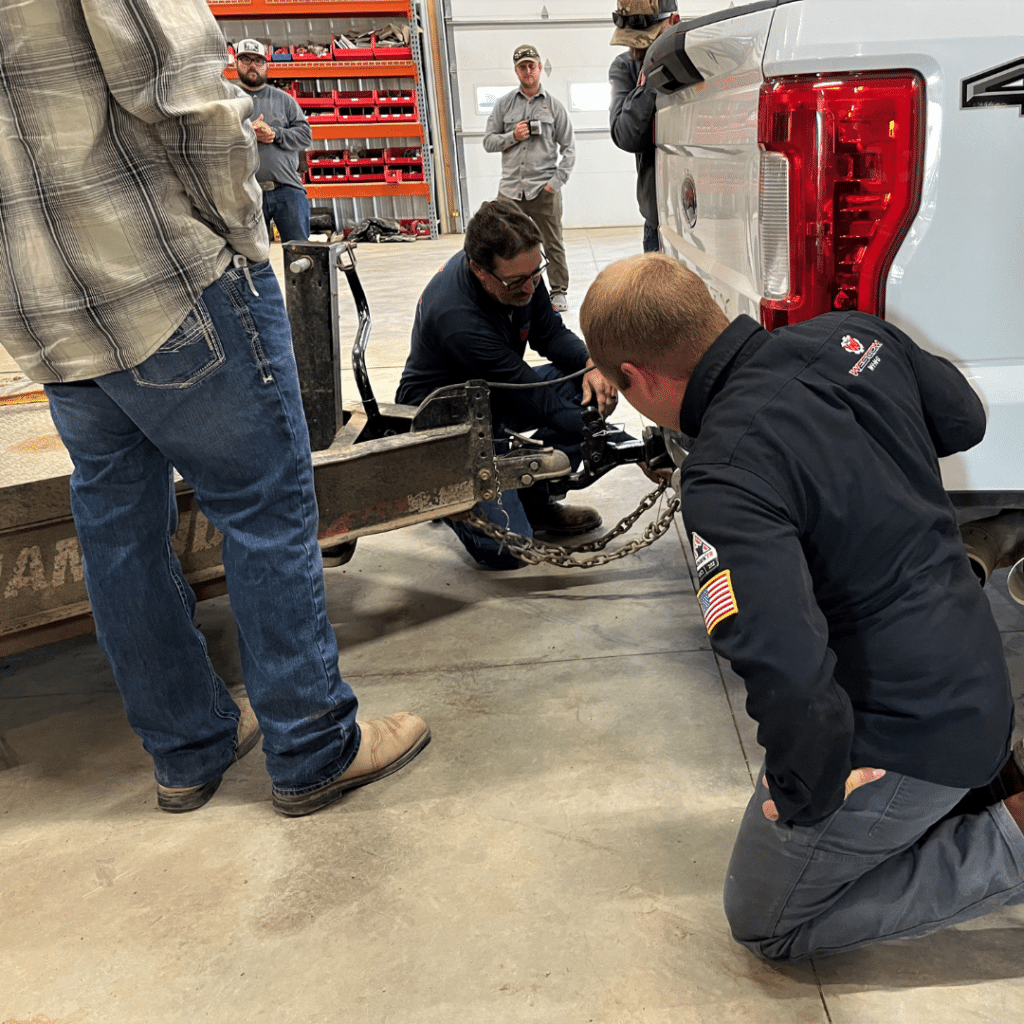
column 530, row 128
column 282, row 132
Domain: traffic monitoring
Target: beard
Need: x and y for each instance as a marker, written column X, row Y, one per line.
column 253, row 78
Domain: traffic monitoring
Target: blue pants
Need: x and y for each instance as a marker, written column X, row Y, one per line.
column 220, row 402
column 288, row 208
column 512, row 512
column 878, row 868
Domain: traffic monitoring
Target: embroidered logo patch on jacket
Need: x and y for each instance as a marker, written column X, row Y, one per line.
column 705, row 557
column 870, row 359
column 717, row 600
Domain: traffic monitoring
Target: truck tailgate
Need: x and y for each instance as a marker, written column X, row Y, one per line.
column 708, row 160
column 954, row 282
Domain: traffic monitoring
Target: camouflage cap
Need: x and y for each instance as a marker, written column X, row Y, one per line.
column 525, row 52
column 638, row 22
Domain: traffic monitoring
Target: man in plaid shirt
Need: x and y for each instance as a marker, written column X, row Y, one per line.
column 135, row 285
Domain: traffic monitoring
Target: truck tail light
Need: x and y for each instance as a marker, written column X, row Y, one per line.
column 840, row 184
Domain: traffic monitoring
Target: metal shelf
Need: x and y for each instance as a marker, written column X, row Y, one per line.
column 371, row 189
column 393, row 130
column 336, row 69
column 249, row 10
column 308, row 8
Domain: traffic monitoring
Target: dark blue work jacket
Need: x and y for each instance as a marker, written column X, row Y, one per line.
column 832, row 572
column 461, row 333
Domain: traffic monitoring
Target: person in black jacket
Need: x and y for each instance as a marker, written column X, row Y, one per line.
column 833, row 578
column 474, row 321
column 631, row 114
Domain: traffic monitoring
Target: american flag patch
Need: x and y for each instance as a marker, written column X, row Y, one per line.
column 717, row 600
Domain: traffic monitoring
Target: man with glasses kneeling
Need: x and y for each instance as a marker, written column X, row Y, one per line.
column 474, row 321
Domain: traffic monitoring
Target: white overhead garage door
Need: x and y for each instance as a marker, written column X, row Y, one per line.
column 573, row 38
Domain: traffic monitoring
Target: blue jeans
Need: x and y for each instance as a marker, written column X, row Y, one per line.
column 886, row 865
column 288, row 208
column 509, row 515
column 219, row 401
column 512, row 514
column 652, row 243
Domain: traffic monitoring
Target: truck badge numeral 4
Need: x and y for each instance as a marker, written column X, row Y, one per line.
column 997, row 87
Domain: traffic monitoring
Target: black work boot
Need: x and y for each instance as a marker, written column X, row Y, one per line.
column 1009, row 782
column 565, row 520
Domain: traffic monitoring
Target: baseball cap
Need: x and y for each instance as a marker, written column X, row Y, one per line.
column 253, row 46
column 638, row 22
column 525, row 52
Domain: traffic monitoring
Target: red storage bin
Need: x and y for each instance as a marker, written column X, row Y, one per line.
column 308, row 99
column 327, row 175
column 397, row 96
column 368, row 158
column 357, row 98
column 403, row 163
column 279, row 53
column 298, row 55
column 327, row 158
column 403, row 155
column 357, row 115
column 396, row 175
column 365, row 174
column 396, row 105
column 403, row 53
column 351, row 53
column 321, row 115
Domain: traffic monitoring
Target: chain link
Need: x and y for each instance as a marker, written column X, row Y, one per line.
column 536, row 552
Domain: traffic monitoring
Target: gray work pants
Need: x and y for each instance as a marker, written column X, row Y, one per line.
column 546, row 210
column 878, row 868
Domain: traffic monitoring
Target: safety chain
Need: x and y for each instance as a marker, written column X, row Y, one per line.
column 536, row 552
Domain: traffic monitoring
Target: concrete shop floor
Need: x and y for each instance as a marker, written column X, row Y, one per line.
column 556, row 854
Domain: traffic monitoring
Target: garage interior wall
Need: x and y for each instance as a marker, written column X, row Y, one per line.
column 471, row 44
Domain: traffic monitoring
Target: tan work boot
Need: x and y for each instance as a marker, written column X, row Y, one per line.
column 190, row 798
column 385, row 745
column 566, row 520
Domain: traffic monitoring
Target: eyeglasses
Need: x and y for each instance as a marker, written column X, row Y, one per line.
column 516, row 283
column 258, row 62
column 635, row 21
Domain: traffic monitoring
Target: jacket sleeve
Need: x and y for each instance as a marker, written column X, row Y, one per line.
column 496, row 139
column 770, row 628
column 631, row 114
column 953, row 412
column 486, row 356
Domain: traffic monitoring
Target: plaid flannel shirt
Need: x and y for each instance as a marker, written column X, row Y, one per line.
column 126, row 178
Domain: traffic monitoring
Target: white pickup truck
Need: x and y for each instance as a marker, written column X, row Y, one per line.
column 815, row 155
